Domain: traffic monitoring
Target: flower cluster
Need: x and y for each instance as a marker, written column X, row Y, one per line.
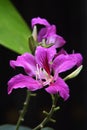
column 44, row 67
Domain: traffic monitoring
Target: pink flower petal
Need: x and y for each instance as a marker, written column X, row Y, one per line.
column 39, row 20
column 62, row 51
column 46, row 32
column 63, row 62
column 42, row 34
column 56, row 39
column 44, row 56
column 22, row 81
column 59, row 87
column 27, row 61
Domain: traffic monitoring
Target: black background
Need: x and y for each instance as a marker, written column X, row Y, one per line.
column 70, row 18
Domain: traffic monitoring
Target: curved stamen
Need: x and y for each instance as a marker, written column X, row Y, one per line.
column 43, row 76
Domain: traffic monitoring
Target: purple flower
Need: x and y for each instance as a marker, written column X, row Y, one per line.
column 48, row 32
column 43, row 71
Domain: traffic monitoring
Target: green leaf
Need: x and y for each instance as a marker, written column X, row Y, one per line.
column 12, row 127
column 14, row 32
column 47, row 128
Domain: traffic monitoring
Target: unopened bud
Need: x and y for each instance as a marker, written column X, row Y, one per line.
column 32, row 44
column 74, row 73
column 34, row 33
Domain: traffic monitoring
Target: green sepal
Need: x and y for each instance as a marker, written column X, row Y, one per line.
column 32, row 44
column 45, row 45
column 74, row 73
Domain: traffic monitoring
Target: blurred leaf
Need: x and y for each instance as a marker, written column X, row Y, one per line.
column 47, row 128
column 12, row 127
column 14, row 32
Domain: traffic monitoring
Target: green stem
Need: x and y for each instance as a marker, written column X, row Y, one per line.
column 23, row 112
column 49, row 115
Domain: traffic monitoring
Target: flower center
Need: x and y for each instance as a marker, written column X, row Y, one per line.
column 43, row 76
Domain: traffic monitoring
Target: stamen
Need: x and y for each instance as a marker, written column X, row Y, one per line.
column 38, row 72
column 48, row 80
column 43, row 76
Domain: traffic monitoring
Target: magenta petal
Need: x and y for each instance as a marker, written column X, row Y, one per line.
column 22, row 81
column 39, row 20
column 51, row 30
column 57, row 40
column 63, row 62
column 46, row 32
column 44, row 56
column 59, row 87
column 42, row 34
column 27, row 61
column 62, row 51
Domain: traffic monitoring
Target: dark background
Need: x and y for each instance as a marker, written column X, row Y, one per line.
column 70, row 17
